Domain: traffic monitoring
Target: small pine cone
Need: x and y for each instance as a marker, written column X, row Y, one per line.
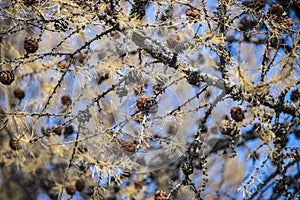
column 82, row 58
column 276, row 9
column 80, row 184
column 31, row 45
column 68, row 130
column 295, row 96
column 151, row 106
column 226, row 127
column 66, row 100
column 29, row 2
column 128, row 145
column 62, row 65
column 70, row 189
column 14, row 143
column 160, row 195
column 140, row 103
column 187, row 168
column 247, row 23
column 237, row 113
column 6, row 77
column 193, row 78
column 57, row 129
column 19, row 93
column 192, row 13
column 287, row 22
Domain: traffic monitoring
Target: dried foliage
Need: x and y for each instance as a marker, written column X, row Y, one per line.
column 149, row 99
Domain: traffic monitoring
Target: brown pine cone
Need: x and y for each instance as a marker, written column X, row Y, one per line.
column 19, row 93
column 237, row 113
column 128, row 145
column 6, row 77
column 14, row 143
column 62, row 65
column 68, row 130
column 192, row 13
column 151, row 106
column 295, row 96
column 160, row 195
column 140, row 103
column 70, row 189
column 247, row 23
column 31, row 45
column 66, row 100
column 226, row 127
column 287, row 22
column 57, row 129
column 82, row 58
column 276, row 9
column 80, row 184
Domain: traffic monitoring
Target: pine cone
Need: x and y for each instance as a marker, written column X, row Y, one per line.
column 193, row 78
column 66, row 100
column 140, row 103
column 68, row 130
column 295, row 96
column 82, row 58
column 237, row 114
column 187, row 168
column 14, row 143
column 70, row 189
column 160, row 195
column 62, row 65
column 226, row 127
column 276, row 9
column 247, row 23
column 150, row 106
column 57, row 129
column 192, row 13
column 80, row 184
column 6, row 77
column 128, row 145
column 31, row 45
column 287, row 22
column 19, row 93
